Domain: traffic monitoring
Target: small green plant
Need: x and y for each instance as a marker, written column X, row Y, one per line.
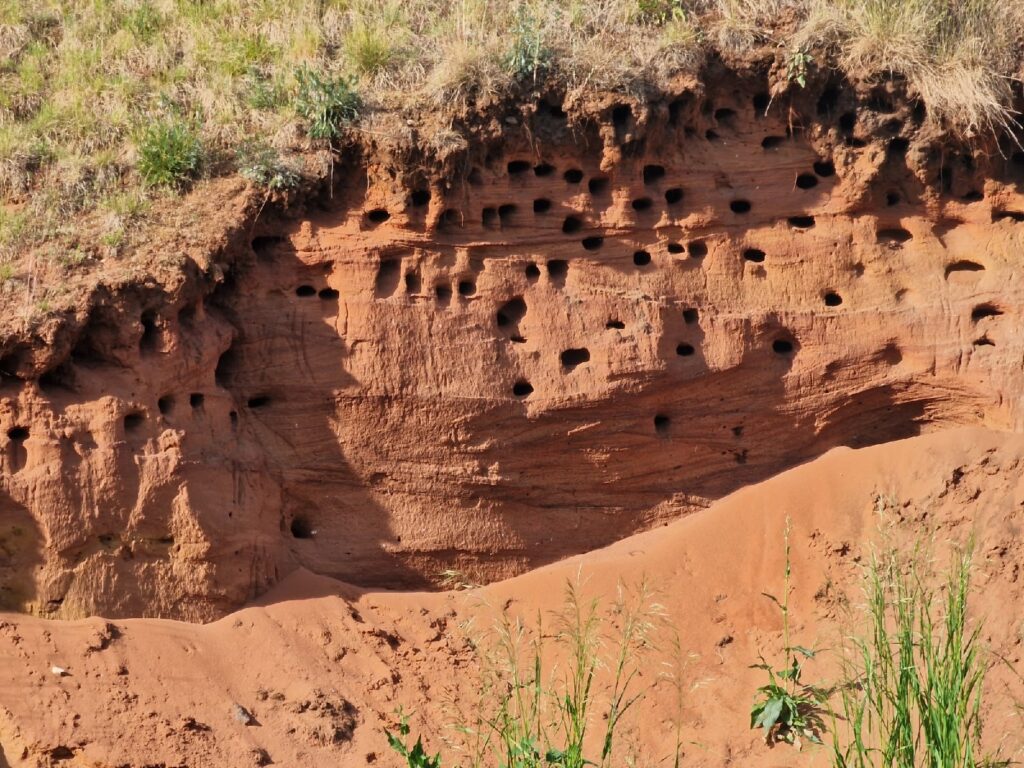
column 788, row 709
column 415, row 756
column 263, row 166
column 170, row 153
column 796, row 67
column 324, row 102
column 528, row 56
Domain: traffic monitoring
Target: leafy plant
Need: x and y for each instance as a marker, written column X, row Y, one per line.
column 415, row 756
column 262, row 165
column 324, row 102
column 796, row 67
column 788, row 709
column 528, row 56
column 170, row 153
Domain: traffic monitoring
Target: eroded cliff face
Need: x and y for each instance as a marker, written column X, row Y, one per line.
column 580, row 336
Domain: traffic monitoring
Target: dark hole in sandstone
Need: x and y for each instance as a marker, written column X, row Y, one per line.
column 847, row 121
column 233, row 415
column 517, row 339
column 674, row 195
column 304, row 291
column 740, row 206
column 772, row 142
column 893, row 235
column 387, row 277
column 196, row 399
column 782, row 346
column 617, row 325
column 554, row 110
column 676, row 109
column 413, row 284
column 301, row 528
column 18, row 434
column 133, row 421
column 573, row 357
column 150, row 333
column 165, row 404
column 522, row 389
column 451, row 218
column 532, row 272
column 573, row 176
column 420, row 197
column 227, row 364
column 544, row 169
column 754, row 254
column 985, row 310
column 946, row 179
column 62, row 753
column 698, row 249
column 984, row 341
column 964, row 265
column 443, row 293
column 489, row 218
column 711, row 135
column 724, row 114
column 675, row 248
column 892, row 198
column 641, row 258
column 598, row 185
column 378, row 216
column 592, row 243
column 505, row 212
column 691, row 316
column 328, row 294
column 684, row 350
column 512, row 311
column 518, row 166
column 761, row 101
column 571, row 224
column 642, row 204
column 898, row 146
column 801, row 222
column 653, row 174
column 737, row 431
column 467, row 287
column 974, row 196
column 262, row 245
column 558, row 268
column 621, row 116
column 833, row 299
column 807, row 181
column 541, row 205
column 258, row 401
column 828, row 101
column 1011, row 215
column 662, row 423
column 852, row 141
column 825, row 168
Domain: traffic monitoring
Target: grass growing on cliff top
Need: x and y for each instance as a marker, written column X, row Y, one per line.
column 107, row 100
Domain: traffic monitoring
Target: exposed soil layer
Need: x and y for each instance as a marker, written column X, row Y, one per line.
column 312, row 675
column 564, row 342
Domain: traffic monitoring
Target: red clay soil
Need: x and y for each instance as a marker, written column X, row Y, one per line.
column 320, row 666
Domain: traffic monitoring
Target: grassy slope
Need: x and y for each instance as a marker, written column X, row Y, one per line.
column 96, row 94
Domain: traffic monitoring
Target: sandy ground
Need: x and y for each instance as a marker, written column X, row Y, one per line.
column 311, row 674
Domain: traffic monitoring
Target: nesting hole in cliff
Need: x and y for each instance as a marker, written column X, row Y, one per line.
column 894, row 236
column 832, row 299
column 17, row 455
column 419, row 197
column 543, row 169
column 165, row 404
column 685, row 350
column 592, row 243
column 653, row 174
column 305, row 291
column 740, row 206
column 541, row 205
column 443, row 293
column 973, row 196
column 725, row 115
column 150, row 338
column 892, row 197
column 516, row 167
column 505, row 213
column 621, row 117
column 557, row 270
column 964, row 265
column 691, row 316
column 18, row 434
column 615, row 325
column 698, row 249
column 532, row 272
column 489, row 218
column 573, row 176
column 807, row 181
column 598, row 185
column 133, row 420
column 662, row 423
column 377, row 216
column 772, row 142
column 571, row 358
column 258, row 401
column 783, row 346
column 413, row 283
column 1017, row 216
column 196, row 400
column 264, row 244
column 301, row 528
column 898, row 146
column 673, row 196
column 451, row 217
column 511, row 312
column 825, row 168
column 711, row 135
column 801, row 222
column 522, row 388
column 984, row 341
column 641, row 258
column 328, row 294
column 675, row 248
column 572, row 224
column 755, row 255
column 642, row 204
column 386, row 282
column 467, row 288
column 982, row 311
column 227, row 364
